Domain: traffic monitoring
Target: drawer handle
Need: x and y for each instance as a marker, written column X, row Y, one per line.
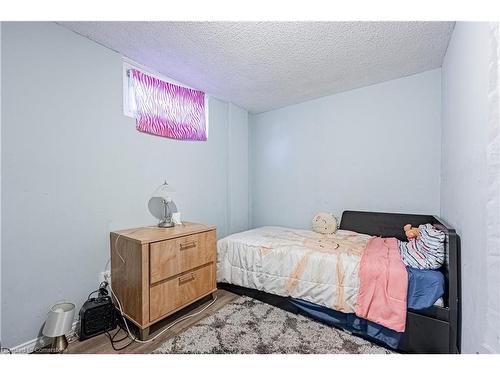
column 187, row 245
column 186, row 278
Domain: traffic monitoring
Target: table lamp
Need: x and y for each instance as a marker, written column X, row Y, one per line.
column 161, row 205
column 58, row 324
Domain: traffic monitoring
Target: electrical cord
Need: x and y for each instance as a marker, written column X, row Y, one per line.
column 119, row 330
column 102, row 289
column 116, row 243
column 113, row 341
column 124, row 234
column 135, row 339
column 132, row 337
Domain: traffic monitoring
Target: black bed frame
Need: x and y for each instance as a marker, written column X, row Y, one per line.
column 433, row 330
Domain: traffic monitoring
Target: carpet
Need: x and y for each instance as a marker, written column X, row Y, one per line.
column 248, row 326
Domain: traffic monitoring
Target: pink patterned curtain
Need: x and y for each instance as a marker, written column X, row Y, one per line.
column 167, row 110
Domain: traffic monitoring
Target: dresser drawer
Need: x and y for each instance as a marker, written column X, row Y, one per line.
column 181, row 290
column 172, row 257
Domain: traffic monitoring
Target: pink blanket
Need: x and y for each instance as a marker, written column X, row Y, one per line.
column 383, row 284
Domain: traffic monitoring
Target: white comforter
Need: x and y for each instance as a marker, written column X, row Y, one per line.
column 322, row 269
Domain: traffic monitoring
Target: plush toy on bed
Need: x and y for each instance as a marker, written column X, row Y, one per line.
column 425, row 247
column 324, row 223
column 411, row 232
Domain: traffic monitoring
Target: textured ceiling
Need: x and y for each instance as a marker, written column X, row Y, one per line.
column 266, row 65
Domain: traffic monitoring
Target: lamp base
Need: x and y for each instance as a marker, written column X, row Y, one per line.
column 59, row 344
column 166, row 224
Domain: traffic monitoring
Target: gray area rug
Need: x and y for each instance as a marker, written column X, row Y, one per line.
column 248, row 326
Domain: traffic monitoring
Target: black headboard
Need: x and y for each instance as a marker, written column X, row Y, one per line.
column 382, row 224
column 391, row 225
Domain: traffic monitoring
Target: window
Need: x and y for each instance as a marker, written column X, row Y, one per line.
column 164, row 108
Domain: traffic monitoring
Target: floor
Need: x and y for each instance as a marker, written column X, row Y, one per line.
column 101, row 344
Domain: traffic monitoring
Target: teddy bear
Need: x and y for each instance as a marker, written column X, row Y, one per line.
column 411, row 232
column 324, row 223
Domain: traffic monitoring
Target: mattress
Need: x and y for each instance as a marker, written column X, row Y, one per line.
column 298, row 263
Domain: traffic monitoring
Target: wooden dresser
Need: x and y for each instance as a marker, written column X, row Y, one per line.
column 158, row 271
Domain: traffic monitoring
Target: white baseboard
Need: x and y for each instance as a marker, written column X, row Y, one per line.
column 40, row 342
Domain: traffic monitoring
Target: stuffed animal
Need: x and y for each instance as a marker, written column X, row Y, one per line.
column 411, row 232
column 324, row 223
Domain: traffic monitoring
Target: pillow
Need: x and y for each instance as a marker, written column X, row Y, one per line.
column 324, row 223
column 426, row 251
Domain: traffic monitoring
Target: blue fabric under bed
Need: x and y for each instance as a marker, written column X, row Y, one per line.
column 425, row 287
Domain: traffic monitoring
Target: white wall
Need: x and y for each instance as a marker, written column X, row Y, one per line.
column 238, row 198
column 74, row 168
column 0, row 184
column 375, row 148
column 464, row 184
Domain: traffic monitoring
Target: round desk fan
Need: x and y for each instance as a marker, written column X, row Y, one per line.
column 162, row 206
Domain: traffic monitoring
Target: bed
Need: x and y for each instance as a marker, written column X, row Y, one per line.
column 429, row 328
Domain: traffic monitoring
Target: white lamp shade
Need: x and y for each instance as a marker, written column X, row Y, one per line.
column 59, row 319
column 163, row 191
